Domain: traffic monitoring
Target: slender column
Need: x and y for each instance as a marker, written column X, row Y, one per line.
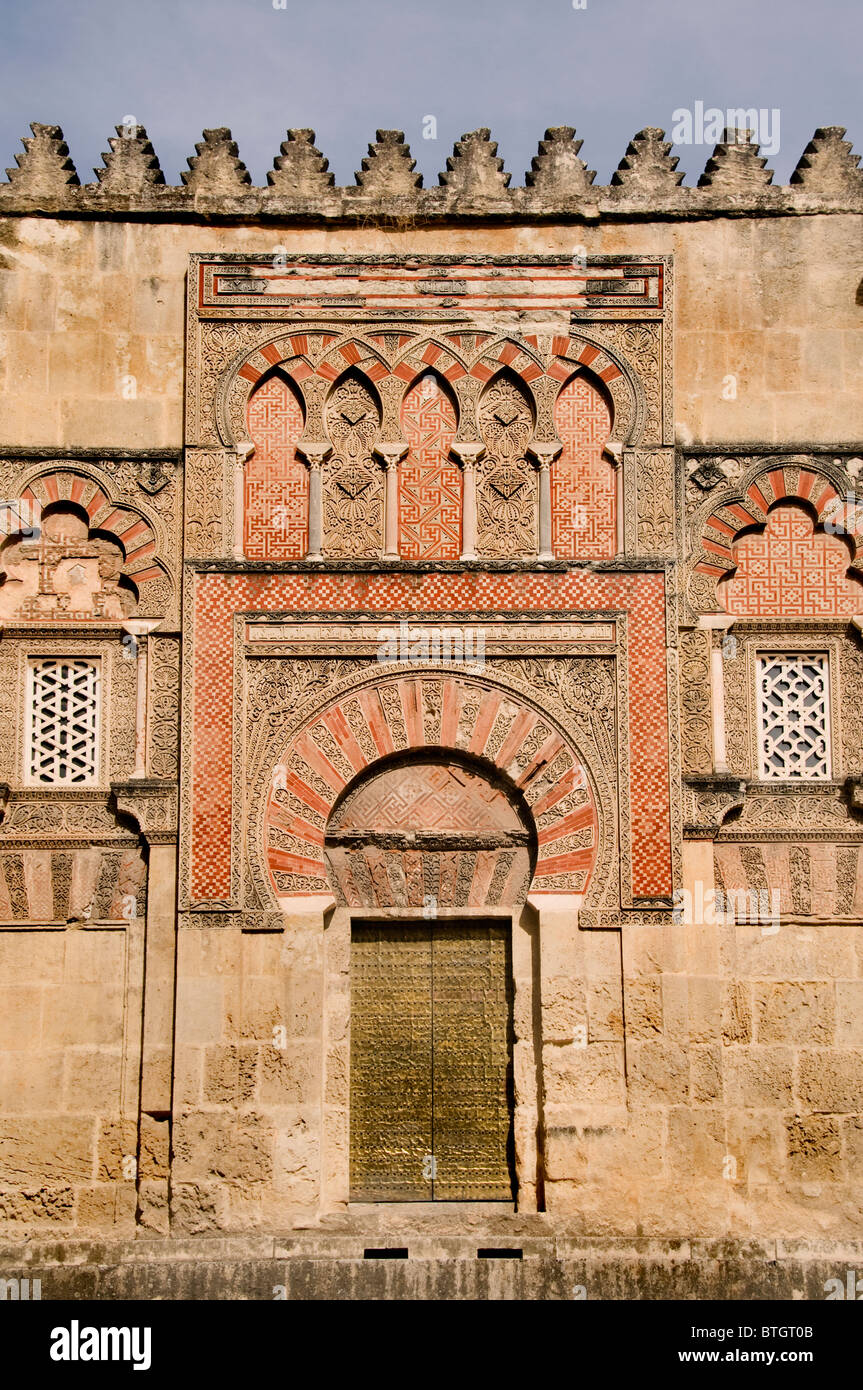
column 720, row 624
column 614, row 453
column 138, row 628
column 545, row 454
column 469, row 456
column 316, row 454
column 392, row 455
column 245, row 449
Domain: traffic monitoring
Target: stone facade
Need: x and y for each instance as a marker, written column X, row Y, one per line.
column 433, row 556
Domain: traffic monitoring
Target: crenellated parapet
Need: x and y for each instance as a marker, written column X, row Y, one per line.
column 473, row 185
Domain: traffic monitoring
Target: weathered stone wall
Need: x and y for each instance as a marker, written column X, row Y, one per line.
column 93, row 315
column 675, row 1076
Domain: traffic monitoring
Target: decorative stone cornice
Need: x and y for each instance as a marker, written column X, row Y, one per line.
column 708, row 799
column 473, row 187
column 153, row 804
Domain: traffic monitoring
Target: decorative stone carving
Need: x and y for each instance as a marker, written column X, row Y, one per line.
column 735, row 167
column 473, row 169
column 164, row 707
column 131, row 166
column 45, row 166
column 48, row 814
column 388, row 169
column 557, row 169
column 695, row 706
column 300, row 170
column 826, row 177
column 155, row 474
column 153, row 804
column 655, row 493
column 204, row 502
column 707, row 802
column 353, row 486
column 647, row 170
column 506, row 482
column 64, row 573
column 821, row 814
column 216, row 169
column 828, row 165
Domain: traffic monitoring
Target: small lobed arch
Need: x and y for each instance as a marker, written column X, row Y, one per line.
column 82, row 564
column 354, row 373
column 584, row 484
column 121, row 521
column 275, row 477
column 430, row 478
column 739, row 511
column 790, row 567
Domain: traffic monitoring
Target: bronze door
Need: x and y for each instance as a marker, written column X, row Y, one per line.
column 431, row 1075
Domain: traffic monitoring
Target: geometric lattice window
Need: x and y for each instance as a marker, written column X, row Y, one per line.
column 63, row 722
column 793, row 716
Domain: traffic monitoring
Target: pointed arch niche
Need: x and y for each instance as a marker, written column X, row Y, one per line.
column 276, row 481
column 583, row 481
column 430, row 481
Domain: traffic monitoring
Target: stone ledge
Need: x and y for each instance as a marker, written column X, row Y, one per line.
column 314, row 1265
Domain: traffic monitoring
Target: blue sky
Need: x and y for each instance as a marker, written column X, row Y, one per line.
column 345, row 67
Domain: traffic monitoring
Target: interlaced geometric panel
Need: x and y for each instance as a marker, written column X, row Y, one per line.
column 429, row 481
column 793, row 708
column 64, row 721
column 582, row 482
column 790, row 571
column 275, row 518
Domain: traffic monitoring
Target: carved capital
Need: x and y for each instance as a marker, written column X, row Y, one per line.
column 141, row 627
column 153, row 804
column 708, row 800
column 545, row 454
column 391, row 454
column 469, row 455
column 315, row 452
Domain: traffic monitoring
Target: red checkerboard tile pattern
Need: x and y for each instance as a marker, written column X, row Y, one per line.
column 219, row 596
column 276, row 489
column 582, row 481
